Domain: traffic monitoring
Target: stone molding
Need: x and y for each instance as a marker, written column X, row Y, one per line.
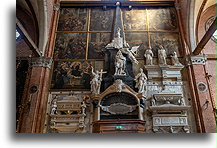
column 42, row 62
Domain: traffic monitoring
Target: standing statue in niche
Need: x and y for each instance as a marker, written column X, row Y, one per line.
column 120, row 64
column 175, row 60
column 96, row 81
column 141, row 80
column 149, row 56
column 162, row 55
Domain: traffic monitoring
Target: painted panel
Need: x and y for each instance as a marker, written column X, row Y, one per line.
column 70, row 46
column 97, row 41
column 101, row 20
column 72, row 19
column 136, row 39
column 170, row 41
column 162, row 19
column 72, row 74
column 134, row 19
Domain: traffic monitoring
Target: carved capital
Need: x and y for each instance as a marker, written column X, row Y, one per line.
column 56, row 7
column 41, row 62
column 196, row 60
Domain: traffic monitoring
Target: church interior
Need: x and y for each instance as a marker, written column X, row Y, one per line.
column 108, row 66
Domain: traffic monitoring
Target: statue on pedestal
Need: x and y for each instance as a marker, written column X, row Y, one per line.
column 96, row 81
column 141, row 81
column 149, row 56
column 175, row 60
column 120, row 64
column 162, row 55
column 83, row 107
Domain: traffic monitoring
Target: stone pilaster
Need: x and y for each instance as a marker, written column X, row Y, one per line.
column 203, row 96
column 36, row 95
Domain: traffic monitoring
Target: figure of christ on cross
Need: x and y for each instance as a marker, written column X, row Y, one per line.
column 96, row 81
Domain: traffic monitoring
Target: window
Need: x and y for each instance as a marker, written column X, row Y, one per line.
column 215, row 34
column 208, row 24
column 17, row 35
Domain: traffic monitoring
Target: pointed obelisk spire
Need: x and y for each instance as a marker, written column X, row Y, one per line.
column 118, row 25
column 118, row 41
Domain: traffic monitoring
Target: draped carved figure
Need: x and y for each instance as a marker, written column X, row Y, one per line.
column 149, row 56
column 141, row 80
column 120, row 64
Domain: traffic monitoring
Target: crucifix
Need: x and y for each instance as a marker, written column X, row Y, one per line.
column 102, row 72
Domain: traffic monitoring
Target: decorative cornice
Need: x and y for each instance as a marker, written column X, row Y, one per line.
column 196, row 60
column 41, row 62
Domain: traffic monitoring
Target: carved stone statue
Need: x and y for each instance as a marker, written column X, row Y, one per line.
column 162, row 56
column 181, row 101
column 175, row 60
column 54, row 108
column 120, row 64
column 149, row 56
column 153, row 101
column 130, row 53
column 83, row 107
column 96, row 82
column 118, row 33
column 141, row 81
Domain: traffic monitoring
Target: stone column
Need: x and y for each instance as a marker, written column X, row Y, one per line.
column 204, row 102
column 36, row 95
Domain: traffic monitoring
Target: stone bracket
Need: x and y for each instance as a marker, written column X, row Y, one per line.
column 42, row 62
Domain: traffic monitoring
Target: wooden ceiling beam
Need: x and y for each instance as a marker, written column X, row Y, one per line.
column 113, row 3
column 205, row 38
column 28, row 38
